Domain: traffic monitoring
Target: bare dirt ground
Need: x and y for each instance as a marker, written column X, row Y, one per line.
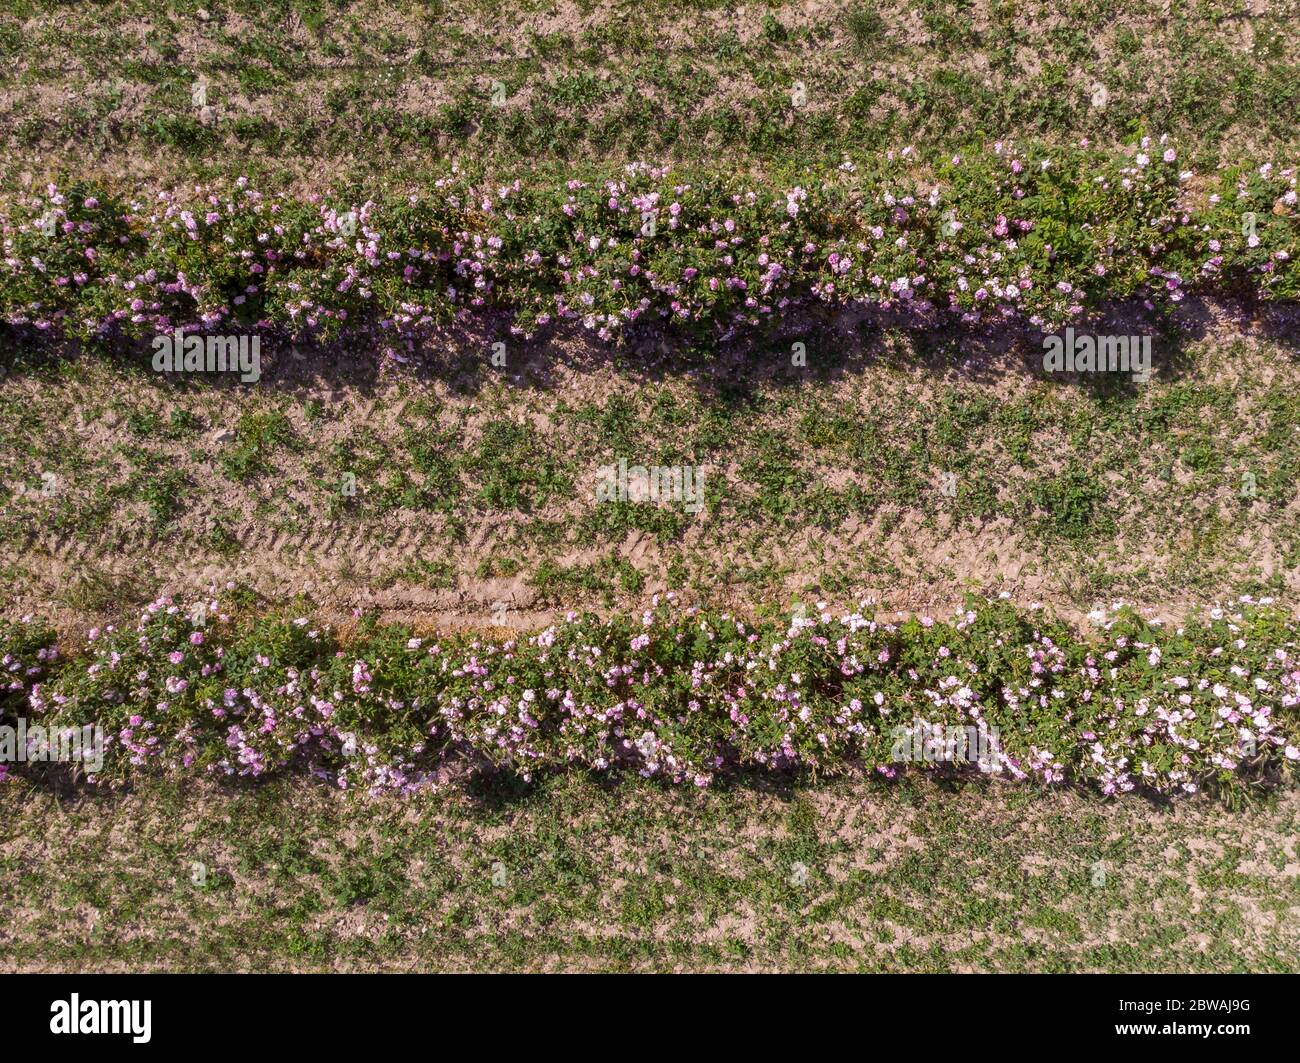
column 310, row 95
column 843, row 876
column 474, row 498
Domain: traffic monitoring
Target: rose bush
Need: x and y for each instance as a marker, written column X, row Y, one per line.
column 1016, row 232
column 677, row 693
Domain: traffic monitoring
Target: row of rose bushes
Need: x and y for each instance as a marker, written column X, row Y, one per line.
column 1012, row 232
column 674, row 692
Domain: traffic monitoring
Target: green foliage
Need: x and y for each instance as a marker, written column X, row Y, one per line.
column 683, row 694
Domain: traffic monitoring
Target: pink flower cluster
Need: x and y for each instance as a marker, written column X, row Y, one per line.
column 683, row 694
column 1013, row 233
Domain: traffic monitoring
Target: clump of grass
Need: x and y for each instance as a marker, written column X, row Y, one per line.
column 866, row 27
column 257, row 437
column 97, row 591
